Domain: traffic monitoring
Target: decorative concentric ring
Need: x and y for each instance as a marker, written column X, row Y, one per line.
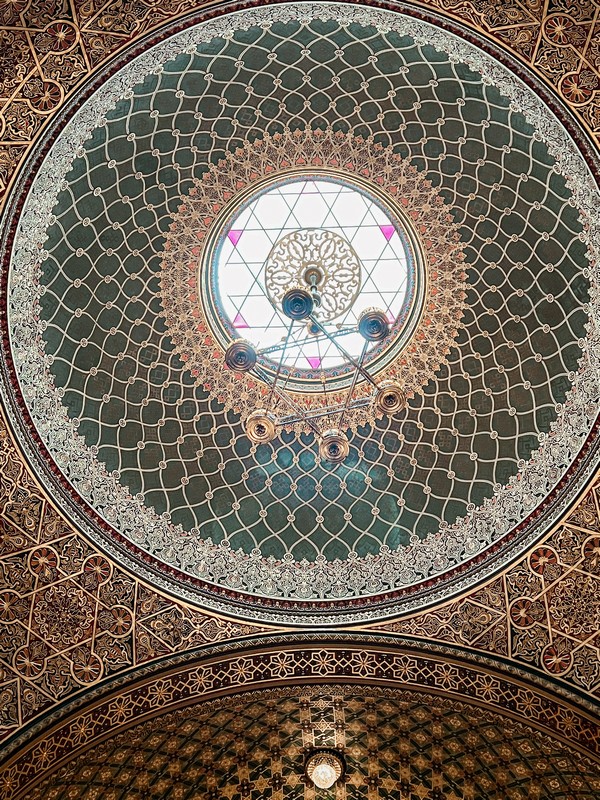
column 420, row 339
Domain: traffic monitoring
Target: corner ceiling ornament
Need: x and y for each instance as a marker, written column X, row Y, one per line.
column 122, row 308
column 353, row 392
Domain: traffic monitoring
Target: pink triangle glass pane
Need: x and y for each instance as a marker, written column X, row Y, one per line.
column 388, row 231
column 315, row 363
column 240, row 322
column 234, row 237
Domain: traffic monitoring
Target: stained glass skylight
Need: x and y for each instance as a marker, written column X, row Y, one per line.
column 362, row 247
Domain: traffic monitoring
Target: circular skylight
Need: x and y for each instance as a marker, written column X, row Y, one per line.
column 358, row 249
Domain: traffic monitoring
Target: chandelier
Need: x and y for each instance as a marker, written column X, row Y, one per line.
column 324, row 768
column 308, row 305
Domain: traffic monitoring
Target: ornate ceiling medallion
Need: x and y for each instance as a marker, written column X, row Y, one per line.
column 214, row 291
column 315, row 254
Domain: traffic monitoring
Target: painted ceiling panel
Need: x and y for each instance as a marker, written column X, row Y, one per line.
column 133, row 401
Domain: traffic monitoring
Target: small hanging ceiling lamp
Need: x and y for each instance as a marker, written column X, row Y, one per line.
column 324, row 768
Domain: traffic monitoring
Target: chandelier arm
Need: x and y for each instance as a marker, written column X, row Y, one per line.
column 322, row 371
column 327, row 412
column 353, row 384
column 289, row 401
column 287, row 339
column 345, row 353
column 287, row 377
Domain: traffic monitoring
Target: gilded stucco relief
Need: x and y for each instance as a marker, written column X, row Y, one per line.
column 71, row 619
column 544, row 610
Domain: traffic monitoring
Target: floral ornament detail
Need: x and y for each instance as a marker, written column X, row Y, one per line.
column 172, row 627
column 578, row 87
column 276, row 781
column 26, row 513
column 12, row 607
column 407, row 191
column 98, row 569
column 30, row 661
column 556, row 659
column 43, row 562
column 117, row 621
column 524, row 612
column 44, row 96
column 87, row 667
column 11, row 539
column 562, row 30
column 541, row 558
column 64, row 615
column 591, row 554
column 82, row 729
column 58, row 37
column 14, row 8
column 574, row 605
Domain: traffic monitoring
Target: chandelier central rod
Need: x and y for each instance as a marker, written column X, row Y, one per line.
column 353, row 385
column 287, row 339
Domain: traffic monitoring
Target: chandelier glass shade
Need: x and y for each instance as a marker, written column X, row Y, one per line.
column 324, row 768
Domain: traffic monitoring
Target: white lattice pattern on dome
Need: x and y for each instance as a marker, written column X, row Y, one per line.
column 295, row 206
column 432, row 481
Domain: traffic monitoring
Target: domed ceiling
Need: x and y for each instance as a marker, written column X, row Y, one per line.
column 462, row 207
column 395, row 744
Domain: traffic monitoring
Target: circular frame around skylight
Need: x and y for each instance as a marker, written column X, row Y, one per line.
column 422, row 333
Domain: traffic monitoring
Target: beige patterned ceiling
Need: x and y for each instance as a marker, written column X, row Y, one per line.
column 75, row 620
column 395, row 742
